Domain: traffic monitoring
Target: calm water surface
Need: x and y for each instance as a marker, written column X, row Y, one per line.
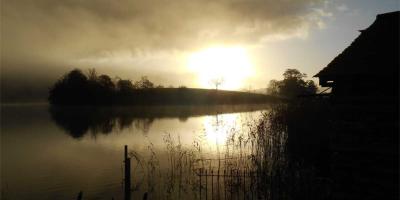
column 53, row 153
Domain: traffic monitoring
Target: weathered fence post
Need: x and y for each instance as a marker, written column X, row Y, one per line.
column 218, row 193
column 212, row 184
column 80, row 195
column 238, row 182
column 244, row 184
column 231, row 182
column 200, row 174
column 225, row 185
column 206, row 185
column 252, row 184
column 127, row 180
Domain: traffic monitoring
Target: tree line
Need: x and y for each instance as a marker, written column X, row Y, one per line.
column 77, row 88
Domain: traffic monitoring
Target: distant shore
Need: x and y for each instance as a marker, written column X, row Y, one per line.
column 180, row 96
column 78, row 88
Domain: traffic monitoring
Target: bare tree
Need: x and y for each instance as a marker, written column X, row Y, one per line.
column 92, row 74
column 217, row 82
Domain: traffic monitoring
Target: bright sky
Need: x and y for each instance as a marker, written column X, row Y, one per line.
column 191, row 43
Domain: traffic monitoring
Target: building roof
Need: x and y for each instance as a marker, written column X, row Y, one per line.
column 374, row 52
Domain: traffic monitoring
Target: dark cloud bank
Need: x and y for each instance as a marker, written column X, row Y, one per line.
column 41, row 39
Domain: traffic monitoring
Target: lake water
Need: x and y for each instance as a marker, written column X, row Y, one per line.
column 53, row 153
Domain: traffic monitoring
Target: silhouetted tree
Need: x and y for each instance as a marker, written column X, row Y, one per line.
column 106, row 82
column 292, row 85
column 70, row 89
column 106, row 90
column 293, row 74
column 75, row 88
column 217, row 82
column 100, row 89
column 273, row 87
column 125, row 86
column 144, row 83
column 311, row 87
column 92, row 75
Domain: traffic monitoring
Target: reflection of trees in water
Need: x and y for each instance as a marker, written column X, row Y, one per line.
column 124, row 122
column 78, row 121
column 143, row 124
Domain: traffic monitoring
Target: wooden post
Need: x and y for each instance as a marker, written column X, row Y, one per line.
column 244, row 184
column 238, row 184
column 231, row 181
column 258, row 185
column 218, row 185
column 200, row 174
column 80, row 195
column 127, row 180
column 206, row 186
column 212, row 184
column 225, row 185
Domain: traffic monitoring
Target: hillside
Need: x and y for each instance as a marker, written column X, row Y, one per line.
column 182, row 96
column 164, row 96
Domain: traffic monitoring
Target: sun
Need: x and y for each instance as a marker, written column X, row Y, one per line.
column 229, row 65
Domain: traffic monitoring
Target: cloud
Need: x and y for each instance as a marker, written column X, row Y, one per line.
column 45, row 36
column 69, row 29
column 342, row 7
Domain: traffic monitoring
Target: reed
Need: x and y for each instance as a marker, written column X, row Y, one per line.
column 258, row 162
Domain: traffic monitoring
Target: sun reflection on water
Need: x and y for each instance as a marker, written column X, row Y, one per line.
column 217, row 128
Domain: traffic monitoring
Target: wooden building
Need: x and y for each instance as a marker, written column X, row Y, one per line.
column 369, row 67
